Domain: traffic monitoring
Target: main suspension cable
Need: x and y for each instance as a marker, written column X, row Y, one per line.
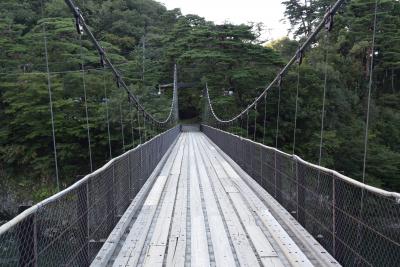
column 327, row 17
column 83, row 27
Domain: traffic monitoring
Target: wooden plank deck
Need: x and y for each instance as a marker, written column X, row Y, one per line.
column 200, row 212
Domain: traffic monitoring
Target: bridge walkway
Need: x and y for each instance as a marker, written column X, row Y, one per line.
column 201, row 211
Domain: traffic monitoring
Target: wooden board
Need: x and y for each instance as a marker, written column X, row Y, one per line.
column 288, row 247
column 177, row 238
column 158, row 243
column 137, row 236
column 199, row 244
column 243, row 249
column 200, row 212
column 262, row 246
column 222, row 249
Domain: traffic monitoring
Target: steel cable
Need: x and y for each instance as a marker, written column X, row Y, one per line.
column 296, row 108
column 323, row 101
column 247, row 124
column 359, row 230
column 86, row 104
column 369, row 92
column 265, row 116
column 132, row 124
column 331, row 11
column 50, row 99
column 122, row 127
column 107, row 116
column 83, row 27
column 255, row 121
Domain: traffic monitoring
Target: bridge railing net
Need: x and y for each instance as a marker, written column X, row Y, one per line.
column 69, row 228
column 358, row 225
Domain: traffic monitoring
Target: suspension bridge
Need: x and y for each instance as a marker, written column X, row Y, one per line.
column 205, row 195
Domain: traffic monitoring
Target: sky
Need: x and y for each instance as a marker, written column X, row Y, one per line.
column 270, row 12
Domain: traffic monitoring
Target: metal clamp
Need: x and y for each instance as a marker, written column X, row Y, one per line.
column 329, row 20
column 299, row 57
column 78, row 21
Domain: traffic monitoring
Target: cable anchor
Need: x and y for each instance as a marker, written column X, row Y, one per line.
column 78, row 21
column 299, row 57
column 102, row 59
column 329, row 20
column 117, row 79
column 280, row 80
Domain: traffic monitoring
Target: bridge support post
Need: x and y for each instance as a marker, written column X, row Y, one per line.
column 83, row 225
column 251, row 171
column 110, row 201
column 333, row 216
column 27, row 237
column 242, row 161
column 131, row 194
column 278, row 179
column 140, row 177
column 300, row 194
column 262, row 169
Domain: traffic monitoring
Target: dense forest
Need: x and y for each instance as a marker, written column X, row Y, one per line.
column 145, row 40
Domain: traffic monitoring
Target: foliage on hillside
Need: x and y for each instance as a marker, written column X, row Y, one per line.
column 348, row 50
column 142, row 35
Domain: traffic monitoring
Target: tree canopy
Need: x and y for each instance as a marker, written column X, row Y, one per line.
column 145, row 40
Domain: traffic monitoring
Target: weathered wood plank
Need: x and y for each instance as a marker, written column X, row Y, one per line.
column 109, row 248
column 198, row 178
column 141, row 245
column 158, row 243
column 265, row 251
column 244, row 251
column 138, row 232
column 177, row 239
column 199, row 244
column 222, row 249
column 286, row 245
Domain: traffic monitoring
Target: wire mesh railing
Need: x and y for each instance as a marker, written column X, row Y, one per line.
column 69, row 228
column 358, row 224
